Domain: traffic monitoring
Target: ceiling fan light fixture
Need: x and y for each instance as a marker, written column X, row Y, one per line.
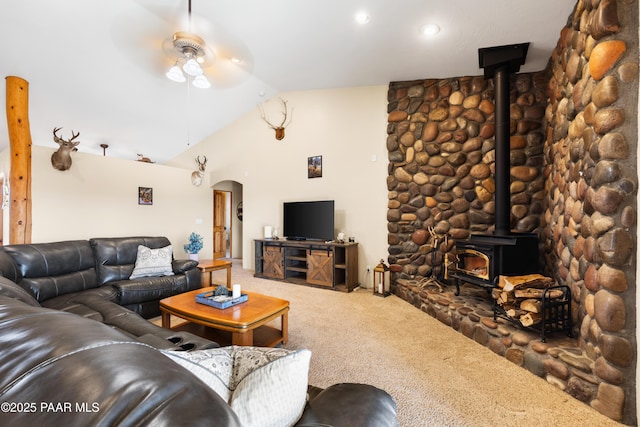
column 192, row 68
column 175, row 74
column 201, row 82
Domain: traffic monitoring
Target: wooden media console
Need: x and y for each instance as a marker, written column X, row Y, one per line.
column 306, row 262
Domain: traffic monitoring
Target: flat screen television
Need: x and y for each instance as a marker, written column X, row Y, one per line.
column 308, row 220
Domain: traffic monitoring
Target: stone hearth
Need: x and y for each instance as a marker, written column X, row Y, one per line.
column 559, row 360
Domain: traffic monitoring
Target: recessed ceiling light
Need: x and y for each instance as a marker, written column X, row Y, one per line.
column 236, row 60
column 429, row 30
column 362, row 17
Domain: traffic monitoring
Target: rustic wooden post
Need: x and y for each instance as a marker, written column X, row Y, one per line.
column 17, row 90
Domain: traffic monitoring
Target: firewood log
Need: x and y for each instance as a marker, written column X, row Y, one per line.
column 536, row 293
column 515, row 313
column 528, row 281
column 531, row 305
column 530, row 319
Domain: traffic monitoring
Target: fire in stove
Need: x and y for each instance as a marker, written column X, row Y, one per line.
column 473, row 263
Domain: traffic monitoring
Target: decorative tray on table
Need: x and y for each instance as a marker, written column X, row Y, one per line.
column 220, row 301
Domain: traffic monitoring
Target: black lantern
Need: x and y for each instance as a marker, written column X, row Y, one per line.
column 381, row 279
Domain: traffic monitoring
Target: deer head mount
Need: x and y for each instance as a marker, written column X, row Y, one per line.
column 196, row 176
column 61, row 159
column 283, row 124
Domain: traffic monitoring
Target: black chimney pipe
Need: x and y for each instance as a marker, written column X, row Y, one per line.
column 499, row 62
column 502, row 162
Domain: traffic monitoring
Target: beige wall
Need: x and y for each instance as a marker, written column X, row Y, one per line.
column 97, row 197
column 347, row 127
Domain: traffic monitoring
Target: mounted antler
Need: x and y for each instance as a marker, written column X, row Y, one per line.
column 196, row 176
column 280, row 128
column 61, row 159
column 143, row 159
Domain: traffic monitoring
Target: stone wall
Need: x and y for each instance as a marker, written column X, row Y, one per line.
column 573, row 182
column 441, row 162
column 589, row 224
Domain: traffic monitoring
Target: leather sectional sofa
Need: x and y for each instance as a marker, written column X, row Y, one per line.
column 90, row 278
column 56, row 272
column 76, row 350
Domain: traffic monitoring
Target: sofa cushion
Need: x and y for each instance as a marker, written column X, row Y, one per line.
column 153, row 262
column 73, row 302
column 264, row 386
column 116, row 257
column 52, row 269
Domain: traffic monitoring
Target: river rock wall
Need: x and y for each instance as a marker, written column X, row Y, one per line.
column 441, row 143
column 589, row 228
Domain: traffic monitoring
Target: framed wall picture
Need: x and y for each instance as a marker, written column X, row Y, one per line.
column 314, row 166
column 145, row 196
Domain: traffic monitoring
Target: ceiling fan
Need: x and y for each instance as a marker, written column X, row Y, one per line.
column 191, row 51
column 194, row 47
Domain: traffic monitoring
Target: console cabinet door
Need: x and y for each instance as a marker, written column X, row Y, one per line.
column 273, row 262
column 320, row 267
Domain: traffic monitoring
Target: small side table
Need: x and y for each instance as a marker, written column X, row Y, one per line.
column 207, row 266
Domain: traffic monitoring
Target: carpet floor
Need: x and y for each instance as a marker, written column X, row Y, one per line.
column 437, row 376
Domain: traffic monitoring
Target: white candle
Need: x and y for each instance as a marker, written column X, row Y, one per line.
column 236, row 291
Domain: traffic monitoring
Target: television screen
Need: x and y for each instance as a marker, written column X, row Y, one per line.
column 308, row 220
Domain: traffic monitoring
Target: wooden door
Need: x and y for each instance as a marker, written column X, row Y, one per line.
column 320, row 267
column 273, row 262
column 219, row 224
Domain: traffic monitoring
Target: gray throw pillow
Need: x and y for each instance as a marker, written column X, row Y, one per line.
column 153, row 262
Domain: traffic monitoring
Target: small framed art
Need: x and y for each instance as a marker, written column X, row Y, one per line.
column 145, row 196
column 314, row 165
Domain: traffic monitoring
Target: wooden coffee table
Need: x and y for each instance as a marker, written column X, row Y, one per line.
column 241, row 324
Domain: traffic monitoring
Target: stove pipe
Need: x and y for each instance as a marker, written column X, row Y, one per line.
column 500, row 62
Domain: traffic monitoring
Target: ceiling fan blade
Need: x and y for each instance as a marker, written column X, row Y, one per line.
column 225, row 73
column 144, row 35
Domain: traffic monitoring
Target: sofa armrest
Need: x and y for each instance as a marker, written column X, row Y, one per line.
column 352, row 405
column 10, row 289
column 147, row 289
column 181, row 265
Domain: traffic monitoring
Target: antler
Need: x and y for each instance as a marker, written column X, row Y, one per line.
column 284, row 112
column 199, row 163
column 263, row 116
column 59, row 140
column 280, row 128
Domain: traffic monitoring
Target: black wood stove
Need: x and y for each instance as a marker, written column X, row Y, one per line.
column 480, row 259
column 483, row 257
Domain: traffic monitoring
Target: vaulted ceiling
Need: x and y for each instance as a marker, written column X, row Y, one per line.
column 99, row 67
